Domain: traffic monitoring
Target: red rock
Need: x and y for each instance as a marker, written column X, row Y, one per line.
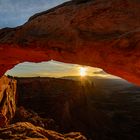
column 99, row 33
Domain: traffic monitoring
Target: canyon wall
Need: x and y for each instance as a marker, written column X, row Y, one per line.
column 59, row 99
column 66, row 101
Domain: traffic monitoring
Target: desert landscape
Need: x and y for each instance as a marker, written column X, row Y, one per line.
column 95, row 96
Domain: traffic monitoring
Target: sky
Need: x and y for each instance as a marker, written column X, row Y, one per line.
column 54, row 69
column 16, row 12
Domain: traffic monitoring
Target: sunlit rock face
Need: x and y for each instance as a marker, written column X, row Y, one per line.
column 100, row 33
column 7, row 100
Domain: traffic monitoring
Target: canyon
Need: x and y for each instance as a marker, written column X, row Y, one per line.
column 18, row 123
column 99, row 108
column 98, row 33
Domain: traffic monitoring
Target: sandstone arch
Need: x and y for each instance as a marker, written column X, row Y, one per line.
column 100, row 33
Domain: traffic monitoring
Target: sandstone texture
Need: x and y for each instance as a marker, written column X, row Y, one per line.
column 99, row 33
column 7, row 100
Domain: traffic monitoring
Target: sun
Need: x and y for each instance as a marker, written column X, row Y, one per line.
column 83, row 71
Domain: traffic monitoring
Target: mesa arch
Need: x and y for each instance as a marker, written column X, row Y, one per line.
column 99, row 33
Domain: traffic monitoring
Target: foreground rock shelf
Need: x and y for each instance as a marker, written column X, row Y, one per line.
column 26, row 130
column 100, row 33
